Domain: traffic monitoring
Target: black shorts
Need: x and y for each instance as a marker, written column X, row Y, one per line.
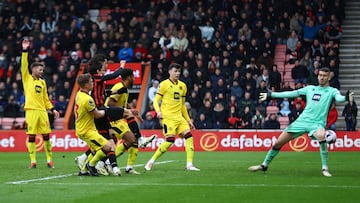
column 103, row 126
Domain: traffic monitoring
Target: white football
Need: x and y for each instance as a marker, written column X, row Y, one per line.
column 330, row 136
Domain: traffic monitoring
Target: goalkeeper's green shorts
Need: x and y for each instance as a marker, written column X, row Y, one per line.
column 298, row 128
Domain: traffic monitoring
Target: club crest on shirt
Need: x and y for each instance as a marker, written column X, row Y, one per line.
column 316, row 97
column 91, row 103
column 38, row 89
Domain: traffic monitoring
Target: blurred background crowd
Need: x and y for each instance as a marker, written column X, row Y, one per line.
column 226, row 47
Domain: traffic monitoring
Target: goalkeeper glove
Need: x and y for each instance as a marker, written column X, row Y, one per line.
column 349, row 96
column 264, row 96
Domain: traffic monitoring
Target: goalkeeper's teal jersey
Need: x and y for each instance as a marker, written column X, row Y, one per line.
column 318, row 101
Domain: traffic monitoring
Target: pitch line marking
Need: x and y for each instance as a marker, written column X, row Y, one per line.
column 68, row 175
column 209, row 185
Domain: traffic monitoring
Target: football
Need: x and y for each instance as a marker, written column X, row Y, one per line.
column 330, row 136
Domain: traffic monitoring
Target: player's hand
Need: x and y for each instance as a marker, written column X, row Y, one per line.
column 122, row 63
column 349, row 96
column 56, row 114
column 264, row 96
column 25, row 44
column 191, row 124
column 137, row 115
column 159, row 115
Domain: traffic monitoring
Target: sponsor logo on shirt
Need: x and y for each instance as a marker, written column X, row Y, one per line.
column 316, row 97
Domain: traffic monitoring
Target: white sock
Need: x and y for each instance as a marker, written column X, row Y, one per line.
column 188, row 164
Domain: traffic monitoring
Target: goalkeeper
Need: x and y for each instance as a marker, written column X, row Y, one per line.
column 312, row 120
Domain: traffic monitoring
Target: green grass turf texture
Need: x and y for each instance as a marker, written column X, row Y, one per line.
column 292, row 177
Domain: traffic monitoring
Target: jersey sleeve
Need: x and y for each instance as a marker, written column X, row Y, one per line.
column 338, row 97
column 48, row 104
column 183, row 99
column 25, row 74
column 159, row 94
column 290, row 94
column 90, row 105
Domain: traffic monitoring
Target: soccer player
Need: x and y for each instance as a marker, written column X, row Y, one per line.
column 311, row 121
column 37, row 104
column 126, row 129
column 174, row 117
column 85, row 111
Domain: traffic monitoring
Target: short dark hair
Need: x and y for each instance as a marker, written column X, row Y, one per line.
column 36, row 64
column 126, row 72
column 83, row 79
column 175, row 65
column 96, row 63
column 325, row 69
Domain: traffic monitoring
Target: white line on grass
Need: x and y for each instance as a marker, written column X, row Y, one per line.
column 209, row 185
column 68, row 175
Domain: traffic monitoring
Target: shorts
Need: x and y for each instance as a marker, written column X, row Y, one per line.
column 37, row 122
column 298, row 128
column 103, row 126
column 174, row 126
column 120, row 127
column 94, row 140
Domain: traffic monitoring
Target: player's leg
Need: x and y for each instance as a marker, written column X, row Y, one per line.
column 169, row 133
column 134, row 127
column 284, row 138
column 32, row 122
column 133, row 150
column 319, row 134
column 32, row 150
column 45, row 129
column 185, row 132
column 104, row 148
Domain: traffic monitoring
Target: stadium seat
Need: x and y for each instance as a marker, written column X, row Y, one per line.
column 284, row 122
column 272, row 109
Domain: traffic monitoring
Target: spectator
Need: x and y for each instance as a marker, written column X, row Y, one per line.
column 152, row 90
column 334, row 32
column 245, row 118
column 272, row 122
column 264, row 77
column 233, row 118
column 257, row 120
column 219, row 116
column 312, row 79
column 295, row 113
column 275, row 77
column 126, row 53
column 61, row 105
column 285, row 109
column 203, row 122
column 149, row 122
column 332, row 117
column 350, row 113
column 299, row 73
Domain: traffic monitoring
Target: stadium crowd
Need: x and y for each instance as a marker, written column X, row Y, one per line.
column 226, row 48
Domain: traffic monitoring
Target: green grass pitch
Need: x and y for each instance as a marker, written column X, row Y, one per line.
column 292, row 177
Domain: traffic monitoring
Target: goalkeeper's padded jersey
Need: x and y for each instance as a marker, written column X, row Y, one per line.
column 318, row 101
column 35, row 90
column 173, row 95
column 84, row 119
column 121, row 99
